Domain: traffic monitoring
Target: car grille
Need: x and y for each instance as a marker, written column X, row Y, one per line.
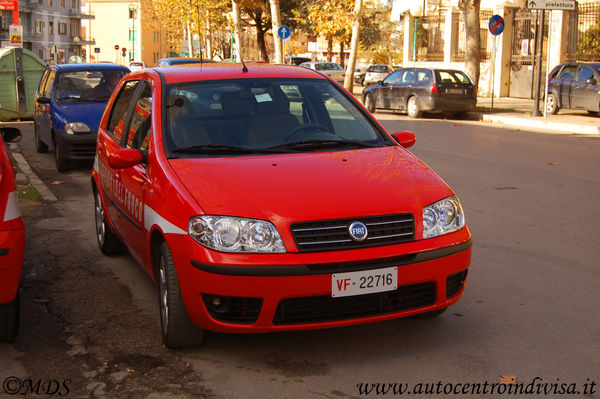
column 332, row 235
column 454, row 283
column 325, row 308
column 83, row 150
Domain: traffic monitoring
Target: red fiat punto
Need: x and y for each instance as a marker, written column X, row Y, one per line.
column 12, row 241
column 265, row 198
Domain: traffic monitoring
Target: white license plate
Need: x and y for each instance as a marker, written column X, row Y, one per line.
column 455, row 91
column 364, row 282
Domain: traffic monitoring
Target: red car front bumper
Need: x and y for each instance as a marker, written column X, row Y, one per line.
column 295, row 293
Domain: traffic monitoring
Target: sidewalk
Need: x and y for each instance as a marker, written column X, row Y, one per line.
column 517, row 112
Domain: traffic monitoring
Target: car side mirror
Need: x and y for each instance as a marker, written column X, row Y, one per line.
column 43, row 100
column 405, row 139
column 591, row 81
column 125, row 158
column 11, row 134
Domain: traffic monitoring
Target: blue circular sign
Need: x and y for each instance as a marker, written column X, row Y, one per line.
column 283, row 32
column 496, row 24
column 358, row 231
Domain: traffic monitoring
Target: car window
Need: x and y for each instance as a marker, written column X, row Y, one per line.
column 393, row 78
column 260, row 113
column 118, row 113
column 568, row 72
column 86, row 85
column 140, row 128
column 584, row 74
column 461, row 77
column 47, row 90
column 378, row 68
column 408, row 76
column 424, row 77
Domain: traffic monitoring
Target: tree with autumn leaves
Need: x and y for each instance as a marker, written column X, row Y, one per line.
column 340, row 21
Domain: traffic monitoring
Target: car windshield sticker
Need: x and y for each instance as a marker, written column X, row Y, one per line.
column 263, row 98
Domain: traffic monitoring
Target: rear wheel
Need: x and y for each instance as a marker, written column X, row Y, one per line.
column 370, row 103
column 108, row 242
column 40, row 146
column 551, row 104
column 177, row 329
column 412, row 108
column 9, row 320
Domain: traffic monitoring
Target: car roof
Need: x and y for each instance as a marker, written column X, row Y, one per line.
column 89, row 67
column 218, row 71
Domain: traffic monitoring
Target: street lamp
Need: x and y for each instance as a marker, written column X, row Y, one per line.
column 132, row 12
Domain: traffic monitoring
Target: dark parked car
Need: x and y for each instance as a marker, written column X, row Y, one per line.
column 69, row 103
column 423, row 89
column 574, row 85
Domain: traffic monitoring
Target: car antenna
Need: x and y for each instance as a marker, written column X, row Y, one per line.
column 244, row 68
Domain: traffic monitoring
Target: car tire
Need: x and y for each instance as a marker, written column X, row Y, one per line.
column 460, row 115
column 370, row 103
column 412, row 108
column 177, row 329
column 593, row 113
column 108, row 242
column 62, row 165
column 40, row 146
column 551, row 104
column 9, row 320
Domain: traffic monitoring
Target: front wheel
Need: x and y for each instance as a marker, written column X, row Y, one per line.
column 370, row 103
column 412, row 108
column 177, row 329
column 62, row 164
column 551, row 104
column 9, row 320
column 40, row 146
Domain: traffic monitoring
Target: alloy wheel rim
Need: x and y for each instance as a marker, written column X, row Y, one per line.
column 412, row 107
column 100, row 223
column 164, row 306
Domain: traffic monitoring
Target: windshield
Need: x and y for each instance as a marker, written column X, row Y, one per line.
column 77, row 86
column 263, row 115
column 378, row 68
column 328, row 66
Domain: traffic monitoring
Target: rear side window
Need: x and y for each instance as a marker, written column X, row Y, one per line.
column 423, row 77
column 47, row 89
column 118, row 114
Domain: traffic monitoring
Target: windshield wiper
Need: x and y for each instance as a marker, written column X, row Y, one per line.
column 225, row 149
column 316, row 144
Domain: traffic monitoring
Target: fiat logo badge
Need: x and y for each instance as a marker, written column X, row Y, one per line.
column 358, row 231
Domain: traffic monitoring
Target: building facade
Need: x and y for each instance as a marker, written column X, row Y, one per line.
column 51, row 28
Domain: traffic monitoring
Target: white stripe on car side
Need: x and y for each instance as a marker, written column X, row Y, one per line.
column 151, row 218
column 12, row 207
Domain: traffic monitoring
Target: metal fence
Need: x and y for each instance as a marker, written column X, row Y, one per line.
column 484, row 34
column 430, row 37
column 583, row 39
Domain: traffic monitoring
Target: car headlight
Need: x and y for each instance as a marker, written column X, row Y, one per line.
column 233, row 234
column 76, row 128
column 443, row 217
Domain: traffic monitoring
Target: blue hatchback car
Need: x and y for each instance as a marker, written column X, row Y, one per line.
column 69, row 103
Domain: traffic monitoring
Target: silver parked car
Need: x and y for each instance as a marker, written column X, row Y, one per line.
column 328, row 68
column 375, row 73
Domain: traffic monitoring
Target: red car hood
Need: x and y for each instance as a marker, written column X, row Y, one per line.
column 314, row 186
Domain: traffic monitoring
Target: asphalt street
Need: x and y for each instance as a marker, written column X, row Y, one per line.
column 528, row 316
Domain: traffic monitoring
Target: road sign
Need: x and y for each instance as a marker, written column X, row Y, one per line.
column 7, row 5
column 124, row 49
column 96, row 50
column 551, row 4
column 283, row 32
column 16, row 35
column 496, row 25
column 116, row 46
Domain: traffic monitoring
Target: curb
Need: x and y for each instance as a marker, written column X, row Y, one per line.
column 35, row 181
column 562, row 127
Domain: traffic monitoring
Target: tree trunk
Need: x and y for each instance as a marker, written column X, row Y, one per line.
column 473, row 45
column 237, row 29
column 276, row 23
column 342, row 58
column 329, row 48
column 349, row 79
